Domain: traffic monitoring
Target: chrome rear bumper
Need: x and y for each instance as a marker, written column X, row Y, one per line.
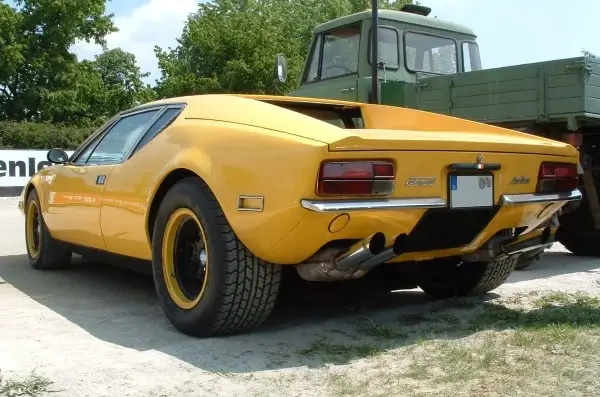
column 346, row 205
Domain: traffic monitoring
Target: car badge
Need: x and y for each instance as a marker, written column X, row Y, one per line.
column 479, row 161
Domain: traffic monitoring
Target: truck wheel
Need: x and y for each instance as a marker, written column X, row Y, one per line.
column 577, row 233
column 208, row 283
column 43, row 252
column 444, row 279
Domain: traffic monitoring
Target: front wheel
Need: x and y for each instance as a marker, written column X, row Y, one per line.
column 447, row 278
column 208, row 283
column 43, row 251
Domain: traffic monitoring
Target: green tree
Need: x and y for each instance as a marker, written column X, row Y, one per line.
column 98, row 89
column 231, row 45
column 35, row 57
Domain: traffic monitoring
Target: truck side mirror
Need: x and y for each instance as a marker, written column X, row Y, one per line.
column 282, row 70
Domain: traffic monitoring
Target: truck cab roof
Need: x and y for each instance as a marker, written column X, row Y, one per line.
column 399, row 16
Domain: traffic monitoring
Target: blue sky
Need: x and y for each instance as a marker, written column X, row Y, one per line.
column 123, row 6
column 509, row 31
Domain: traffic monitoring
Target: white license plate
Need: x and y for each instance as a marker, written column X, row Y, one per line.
column 471, row 191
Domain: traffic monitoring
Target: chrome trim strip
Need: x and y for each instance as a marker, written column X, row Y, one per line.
column 372, row 204
column 540, row 198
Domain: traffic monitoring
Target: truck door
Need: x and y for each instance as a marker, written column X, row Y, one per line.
column 333, row 67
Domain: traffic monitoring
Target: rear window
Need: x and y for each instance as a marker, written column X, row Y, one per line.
column 340, row 116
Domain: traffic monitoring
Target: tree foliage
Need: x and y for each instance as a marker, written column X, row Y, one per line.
column 48, row 97
column 231, row 45
column 41, row 79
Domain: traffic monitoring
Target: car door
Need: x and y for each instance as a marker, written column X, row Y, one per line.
column 77, row 189
column 333, row 71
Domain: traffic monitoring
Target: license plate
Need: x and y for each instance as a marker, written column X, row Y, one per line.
column 468, row 191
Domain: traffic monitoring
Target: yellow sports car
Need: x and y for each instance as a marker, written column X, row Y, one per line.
column 216, row 194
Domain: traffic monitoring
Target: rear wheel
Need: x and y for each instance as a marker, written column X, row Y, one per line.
column 43, row 252
column 448, row 277
column 207, row 281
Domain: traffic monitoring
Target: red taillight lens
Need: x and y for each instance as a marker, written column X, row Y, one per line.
column 557, row 177
column 356, row 178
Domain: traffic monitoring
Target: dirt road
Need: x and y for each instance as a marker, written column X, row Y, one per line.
column 98, row 331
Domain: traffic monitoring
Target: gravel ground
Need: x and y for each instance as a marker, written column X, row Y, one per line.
column 98, row 331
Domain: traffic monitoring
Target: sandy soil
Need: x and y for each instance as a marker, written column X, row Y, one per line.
column 98, row 331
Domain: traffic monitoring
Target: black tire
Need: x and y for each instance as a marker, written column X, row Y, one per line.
column 43, row 251
column 446, row 278
column 239, row 290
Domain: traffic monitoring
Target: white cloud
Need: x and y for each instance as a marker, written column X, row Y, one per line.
column 157, row 22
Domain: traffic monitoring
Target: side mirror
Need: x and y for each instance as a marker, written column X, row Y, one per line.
column 282, row 69
column 57, row 156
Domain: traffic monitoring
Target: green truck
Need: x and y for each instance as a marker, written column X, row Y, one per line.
column 434, row 65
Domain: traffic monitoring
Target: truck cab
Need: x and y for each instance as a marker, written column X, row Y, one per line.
column 411, row 45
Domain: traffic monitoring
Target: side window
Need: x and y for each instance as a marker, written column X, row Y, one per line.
column 388, row 50
column 340, row 52
column 430, row 54
column 161, row 123
column 115, row 145
column 313, row 69
column 81, row 154
column 471, row 59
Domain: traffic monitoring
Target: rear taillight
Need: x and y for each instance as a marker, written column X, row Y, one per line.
column 356, row 178
column 557, row 177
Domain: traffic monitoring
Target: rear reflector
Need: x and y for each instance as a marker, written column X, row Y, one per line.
column 356, row 178
column 557, row 177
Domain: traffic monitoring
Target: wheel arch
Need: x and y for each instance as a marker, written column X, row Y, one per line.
column 27, row 189
column 165, row 185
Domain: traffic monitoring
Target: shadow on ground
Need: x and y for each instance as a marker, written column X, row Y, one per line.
column 119, row 307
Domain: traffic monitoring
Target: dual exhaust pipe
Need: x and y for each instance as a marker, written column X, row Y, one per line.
column 371, row 252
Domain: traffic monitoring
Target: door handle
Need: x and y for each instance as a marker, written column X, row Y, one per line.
column 351, row 89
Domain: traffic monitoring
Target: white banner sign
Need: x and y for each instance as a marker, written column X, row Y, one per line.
column 17, row 166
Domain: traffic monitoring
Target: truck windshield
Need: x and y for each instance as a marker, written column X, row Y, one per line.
column 430, row 54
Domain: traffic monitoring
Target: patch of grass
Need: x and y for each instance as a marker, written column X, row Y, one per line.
column 380, row 331
column 33, row 385
column 447, row 318
column 557, row 308
column 533, row 344
column 412, row 319
column 456, row 303
column 335, row 351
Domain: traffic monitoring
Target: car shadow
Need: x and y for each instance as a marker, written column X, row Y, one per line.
column 555, row 263
column 119, row 306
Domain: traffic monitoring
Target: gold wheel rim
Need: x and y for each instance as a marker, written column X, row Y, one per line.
column 33, row 229
column 179, row 268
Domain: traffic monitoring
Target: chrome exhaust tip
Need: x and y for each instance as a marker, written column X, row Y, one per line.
column 361, row 251
column 399, row 246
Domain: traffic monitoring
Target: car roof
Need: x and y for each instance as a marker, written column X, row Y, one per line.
column 399, row 16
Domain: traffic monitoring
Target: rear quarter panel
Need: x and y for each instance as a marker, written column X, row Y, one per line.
column 234, row 160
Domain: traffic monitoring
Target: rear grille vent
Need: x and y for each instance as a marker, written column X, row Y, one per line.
column 443, row 228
